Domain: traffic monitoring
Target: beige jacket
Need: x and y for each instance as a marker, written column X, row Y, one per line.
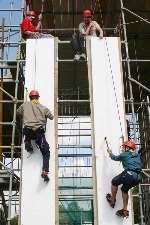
column 34, row 114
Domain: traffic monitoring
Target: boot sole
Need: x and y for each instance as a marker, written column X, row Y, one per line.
column 112, row 205
column 121, row 215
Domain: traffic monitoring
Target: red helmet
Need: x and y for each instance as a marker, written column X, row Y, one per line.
column 34, row 93
column 129, row 144
column 87, row 13
column 31, row 13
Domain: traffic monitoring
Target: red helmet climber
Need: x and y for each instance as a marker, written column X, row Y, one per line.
column 34, row 116
column 28, row 28
column 87, row 27
column 128, row 178
column 87, row 13
column 34, row 93
column 129, row 144
column 31, row 25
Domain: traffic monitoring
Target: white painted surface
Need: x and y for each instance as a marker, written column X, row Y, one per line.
column 37, row 197
column 109, row 121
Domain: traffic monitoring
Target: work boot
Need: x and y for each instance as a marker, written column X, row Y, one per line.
column 28, row 147
column 77, row 57
column 109, row 199
column 83, row 56
column 123, row 213
column 44, row 175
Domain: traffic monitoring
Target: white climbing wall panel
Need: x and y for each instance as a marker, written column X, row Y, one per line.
column 109, row 121
column 37, row 197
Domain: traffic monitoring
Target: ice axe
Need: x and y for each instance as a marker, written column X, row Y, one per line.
column 42, row 8
column 106, row 142
column 108, row 149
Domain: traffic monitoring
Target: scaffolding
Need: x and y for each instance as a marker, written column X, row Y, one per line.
column 139, row 122
column 10, row 141
column 74, row 124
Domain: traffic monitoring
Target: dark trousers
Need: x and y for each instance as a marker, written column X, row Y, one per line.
column 39, row 137
column 78, row 43
column 127, row 180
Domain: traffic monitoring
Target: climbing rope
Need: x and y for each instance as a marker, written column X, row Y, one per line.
column 35, row 51
column 34, row 73
column 114, row 87
column 35, row 64
column 110, row 66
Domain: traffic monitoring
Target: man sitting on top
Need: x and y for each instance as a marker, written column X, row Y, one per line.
column 88, row 27
column 30, row 27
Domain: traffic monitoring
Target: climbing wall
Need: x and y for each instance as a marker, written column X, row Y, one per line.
column 37, row 197
column 106, row 86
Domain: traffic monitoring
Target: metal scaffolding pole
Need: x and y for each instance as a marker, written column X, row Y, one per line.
column 138, row 83
column 128, row 63
column 131, row 101
column 4, row 67
column 136, row 15
column 12, row 146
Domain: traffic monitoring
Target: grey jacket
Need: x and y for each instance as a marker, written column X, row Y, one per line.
column 34, row 114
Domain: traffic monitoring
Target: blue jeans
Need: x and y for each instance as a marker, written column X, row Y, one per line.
column 39, row 137
column 78, row 43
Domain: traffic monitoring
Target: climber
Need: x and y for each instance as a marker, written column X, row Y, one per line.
column 88, row 27
column 129, row 178
column 30, row 26
column 34, row 117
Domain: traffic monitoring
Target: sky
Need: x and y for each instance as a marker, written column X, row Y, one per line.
column 13, row 18
column 6, row 4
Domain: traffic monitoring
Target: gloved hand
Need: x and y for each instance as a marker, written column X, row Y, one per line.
column 109, row 151
column 100, row 36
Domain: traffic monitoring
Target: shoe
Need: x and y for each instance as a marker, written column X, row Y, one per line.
column 77, row 57
column 123, row 213
column 44, row 175
column 83, row 56
column 109, row 199
column 28, row 147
